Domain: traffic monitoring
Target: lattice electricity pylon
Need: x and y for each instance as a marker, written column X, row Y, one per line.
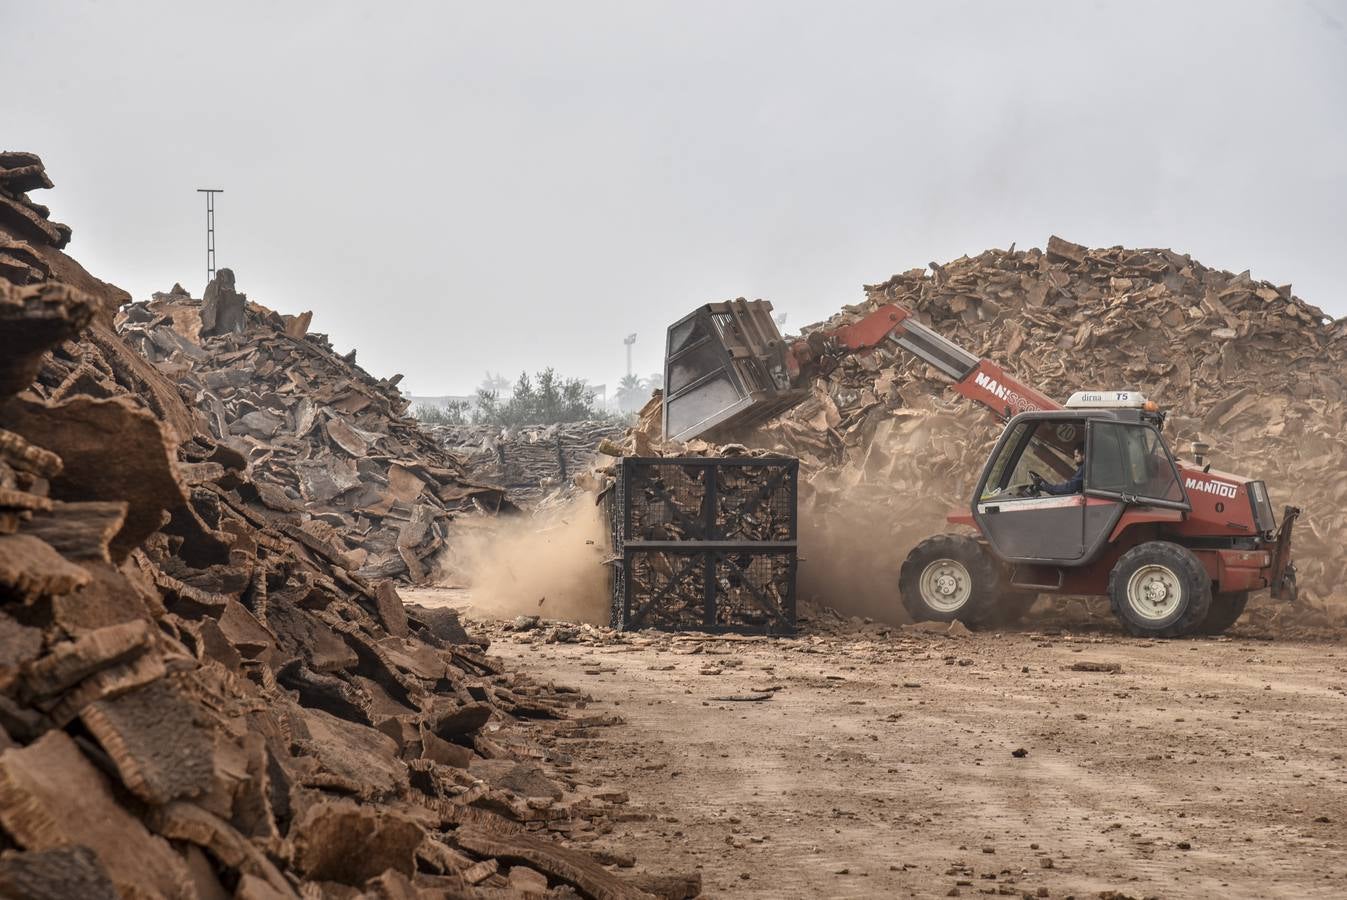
column 210, row 230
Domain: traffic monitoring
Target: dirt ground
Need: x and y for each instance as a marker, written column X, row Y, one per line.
column 907, row 762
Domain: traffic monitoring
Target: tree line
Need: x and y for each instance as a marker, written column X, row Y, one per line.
column 544, row 398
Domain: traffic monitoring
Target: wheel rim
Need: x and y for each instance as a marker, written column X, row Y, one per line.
column 946, row 585
column 1154, row 592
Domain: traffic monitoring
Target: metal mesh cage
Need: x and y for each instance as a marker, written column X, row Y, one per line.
column 704, row 499
column 667, row 503
column 660, row 590
column 705, row 589
column 755, row 503
column 704, row 543
column 756, row 590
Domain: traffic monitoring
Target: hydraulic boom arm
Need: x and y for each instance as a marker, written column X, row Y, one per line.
column 978, row 379
column 726, row 366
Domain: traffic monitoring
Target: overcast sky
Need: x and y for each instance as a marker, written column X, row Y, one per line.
column 456, row 187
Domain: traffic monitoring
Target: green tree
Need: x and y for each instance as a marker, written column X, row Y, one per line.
column 632, row 393
column 544, row 399
column 454, row 413
column 494, row 383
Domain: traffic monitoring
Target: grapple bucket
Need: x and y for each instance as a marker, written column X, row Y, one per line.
column 724, row 369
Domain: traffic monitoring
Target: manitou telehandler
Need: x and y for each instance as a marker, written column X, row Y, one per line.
column 1175, row 546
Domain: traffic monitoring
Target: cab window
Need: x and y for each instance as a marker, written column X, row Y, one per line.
column 1131, row 459
column 1041, row 446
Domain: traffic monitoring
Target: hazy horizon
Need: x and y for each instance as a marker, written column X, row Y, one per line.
column 467, row 187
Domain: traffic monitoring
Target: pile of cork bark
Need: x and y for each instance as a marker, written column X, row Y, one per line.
column 29, row 232
column 322, row 438
column 200, row 694
column 528, row 461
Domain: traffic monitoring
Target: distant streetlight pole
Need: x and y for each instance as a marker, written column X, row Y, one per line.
column 210, row 230
column 629, row 340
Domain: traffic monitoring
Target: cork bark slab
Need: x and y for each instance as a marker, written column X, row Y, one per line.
column 51, row 796
column 157, row 741
column 571, row 866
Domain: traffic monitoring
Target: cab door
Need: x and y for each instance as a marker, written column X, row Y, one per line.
column 1127, row 465
column 1025, row 528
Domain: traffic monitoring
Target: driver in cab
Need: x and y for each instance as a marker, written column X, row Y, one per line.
column 1073, row 485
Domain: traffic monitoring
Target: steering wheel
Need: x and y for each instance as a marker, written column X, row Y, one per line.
column 1036, row 482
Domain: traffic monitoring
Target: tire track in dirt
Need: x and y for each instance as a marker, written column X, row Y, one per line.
column 883, row 768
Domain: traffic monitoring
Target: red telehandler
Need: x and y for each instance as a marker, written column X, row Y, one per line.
column 1175, row 546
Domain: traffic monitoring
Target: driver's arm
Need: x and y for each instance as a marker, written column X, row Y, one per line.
column 1075, row 485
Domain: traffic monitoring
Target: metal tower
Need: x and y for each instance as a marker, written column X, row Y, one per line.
column 210, row 230
column 629, row 340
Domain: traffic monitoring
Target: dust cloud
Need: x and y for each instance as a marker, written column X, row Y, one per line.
column 855, row 533
column 861, row 515
column 545, row 563
column 850, row 561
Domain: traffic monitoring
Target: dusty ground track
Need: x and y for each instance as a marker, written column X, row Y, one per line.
column 883, row 766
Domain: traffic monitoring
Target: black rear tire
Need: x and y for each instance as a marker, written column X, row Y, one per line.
column 1159, row 589
column 1225, row 610
column 948, row 577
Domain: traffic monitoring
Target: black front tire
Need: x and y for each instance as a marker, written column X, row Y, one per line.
column 948, row 577
column 1225, row 610
column 1159, row 589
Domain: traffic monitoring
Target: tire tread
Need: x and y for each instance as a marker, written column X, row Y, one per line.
column 1225, row 610
column 1197, row 584
column 966, row 550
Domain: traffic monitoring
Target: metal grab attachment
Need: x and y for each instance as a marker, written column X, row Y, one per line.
column 726, row 365
column 725, row 361
column 1281, row 555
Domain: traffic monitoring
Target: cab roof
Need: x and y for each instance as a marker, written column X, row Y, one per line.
column 1138, row 416
column 1108, row 400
